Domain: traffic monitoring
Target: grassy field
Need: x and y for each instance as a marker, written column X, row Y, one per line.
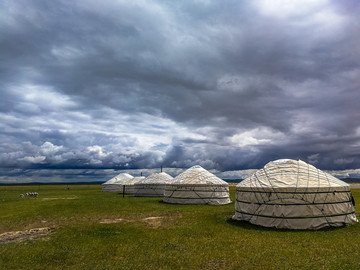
column 95, row 230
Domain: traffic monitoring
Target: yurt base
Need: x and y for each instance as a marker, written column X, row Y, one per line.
column 202, row 194
column 309, row 223
column 210, row 201
column 148, row 190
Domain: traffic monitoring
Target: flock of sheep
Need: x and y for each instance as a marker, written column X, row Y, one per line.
column 29, row 194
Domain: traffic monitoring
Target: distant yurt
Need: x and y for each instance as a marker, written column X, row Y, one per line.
column 115, row 183
column 197, row 186
column 153, row 185
column 129, row 185
column 291, row 194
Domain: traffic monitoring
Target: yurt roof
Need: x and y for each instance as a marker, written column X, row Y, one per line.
column 134, row 180
column 157, row 178
column 288, row 173
column 120, row 178
column 197, row 175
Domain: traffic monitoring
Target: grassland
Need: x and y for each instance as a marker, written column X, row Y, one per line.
column 95, row 230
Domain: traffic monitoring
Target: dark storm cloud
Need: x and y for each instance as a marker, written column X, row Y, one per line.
column 228, row 85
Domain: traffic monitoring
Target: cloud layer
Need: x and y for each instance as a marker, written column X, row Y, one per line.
column 228, row 85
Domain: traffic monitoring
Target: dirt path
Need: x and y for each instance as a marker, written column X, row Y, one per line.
column 153, row 222
column 18, row 236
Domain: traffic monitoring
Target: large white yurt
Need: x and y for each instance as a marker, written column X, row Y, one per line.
column 291, row 194
column 130, row 185
column 197, row 186
column 153, row 185
column 115, row 183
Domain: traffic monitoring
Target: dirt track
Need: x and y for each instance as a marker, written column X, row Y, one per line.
column 18, row 236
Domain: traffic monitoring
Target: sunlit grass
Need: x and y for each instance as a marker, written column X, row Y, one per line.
column 180, row 236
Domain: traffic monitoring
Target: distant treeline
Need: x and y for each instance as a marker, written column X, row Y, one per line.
column 351, row 179
column 52, row 183
column 348, row 180
column 233, row 180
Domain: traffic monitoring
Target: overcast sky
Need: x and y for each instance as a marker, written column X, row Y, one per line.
column 228, row 85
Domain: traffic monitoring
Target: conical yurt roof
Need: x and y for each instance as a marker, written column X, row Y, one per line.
column 288, row 174
column 134, row 180
column 197, row 175
column 119, row 179
column 157, row 178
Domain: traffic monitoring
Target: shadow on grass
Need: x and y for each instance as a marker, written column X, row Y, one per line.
column 162, row 202
column 125, row 195
column 249, row 226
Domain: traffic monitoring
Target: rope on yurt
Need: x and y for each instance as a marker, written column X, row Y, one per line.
column 352, row 205
column 213, row 190
column 286, row 204
column 352, row 201
column 264, row 190
column 199, row 176
column 318, row 187
column 254, row 185
column 283, row 217
column 297, row 179
column 198, row 195
column 172, row 192
column 268, row 178
column 322, row 209
column 307, row 182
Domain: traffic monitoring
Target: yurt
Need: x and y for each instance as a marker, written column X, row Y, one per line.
column 115, row 183
column 197, row 186
column 153, row 185
column 291, row 194
column 129, row 185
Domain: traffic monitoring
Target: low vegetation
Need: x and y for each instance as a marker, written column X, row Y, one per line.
column 84, row 228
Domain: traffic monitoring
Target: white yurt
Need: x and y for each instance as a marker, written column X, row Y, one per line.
column 197, row 186
column 153, row 185
column 115, row 183
column 291, row 194
column 130, row 185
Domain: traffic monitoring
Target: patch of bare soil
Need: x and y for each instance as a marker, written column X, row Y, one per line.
column 216, row 264
column 56, row 198
column 110, row 221
column 160, row 221
column 355, row 186
column 154, row 222
column 18, row 236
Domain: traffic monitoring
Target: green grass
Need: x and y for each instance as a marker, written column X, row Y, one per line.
column 185, row 237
